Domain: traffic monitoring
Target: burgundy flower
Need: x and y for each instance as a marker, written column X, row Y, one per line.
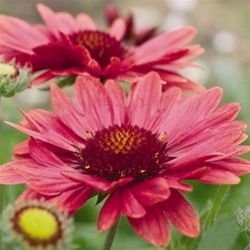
column 131, row 35
column 69, row 46
column 136, row 150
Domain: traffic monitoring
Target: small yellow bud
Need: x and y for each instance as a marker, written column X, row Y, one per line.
column 7, row 70
column 39, row 225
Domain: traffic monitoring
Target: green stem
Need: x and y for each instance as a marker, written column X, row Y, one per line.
column 110, row 237
column 217, row 202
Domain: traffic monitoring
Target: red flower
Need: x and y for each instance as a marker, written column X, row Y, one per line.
column 131, row 35
column 70, row 46
column 138, row 150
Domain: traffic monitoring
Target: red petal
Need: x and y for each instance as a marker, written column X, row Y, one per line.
column 67, row 112
column 92, row 98
column 96, row 182
column 12, row 35
column 9, row 176
column 118, row 99
column 117, row 29
column 110, row 211
column 235, row 165
column 43, row 77
column 52, row 185
column 164, row 43
column 57, row 22
column 130, row 206
column 85, row 22
column 30, row 194
column 144, row 99
column 21, row 148
column 111, row 13
column 43, row 156
column 54, row 139
column 94, row 67
column 182, row 215
column 72, row 199
column 152, row 227
column 215, row 175
column 151, row 191
column 114, row 68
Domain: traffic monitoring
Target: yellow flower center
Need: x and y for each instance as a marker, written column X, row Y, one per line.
column 38, row 223
column 123, row 151
column 122, row 140
column 7, row 70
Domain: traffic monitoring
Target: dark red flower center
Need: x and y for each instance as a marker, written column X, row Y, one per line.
column 121, row 151
column 100, row 45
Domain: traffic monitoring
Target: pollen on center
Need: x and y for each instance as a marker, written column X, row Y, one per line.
column 122, row 141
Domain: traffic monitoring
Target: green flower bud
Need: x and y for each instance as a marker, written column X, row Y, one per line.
column 13, row 80
column 243, row 218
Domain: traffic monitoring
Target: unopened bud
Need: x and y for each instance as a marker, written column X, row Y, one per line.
column 243, row 218
column 13, row 80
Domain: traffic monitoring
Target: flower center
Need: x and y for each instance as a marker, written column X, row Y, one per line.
column 121, row 151
column 37, row 225
column 100, row 45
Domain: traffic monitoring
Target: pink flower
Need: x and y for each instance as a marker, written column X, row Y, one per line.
column 131, row 35
column 137, row 150
column 70, row 46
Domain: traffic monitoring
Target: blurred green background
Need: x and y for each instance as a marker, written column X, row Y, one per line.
column 224, row 31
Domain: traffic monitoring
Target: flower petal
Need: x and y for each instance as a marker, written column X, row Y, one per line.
column 164, row 43
column 214, row 175
column 130, row 206
column 30, row 194
column 43, row 156
column 182, row 215
column 110, row 211
column 151, row 191
column 96, row 182
column 38, row 135
column 73, row 199
column 93, row 98
column 53, row 185
column 85, row 22
column 152, row 227
column 117, row 29
column 118, row 99
column 57, row 22
column 67, row 112
column 144, row 99
column 9, row 176
column 12, row 35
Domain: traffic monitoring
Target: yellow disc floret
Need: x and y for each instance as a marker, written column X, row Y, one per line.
column 7, row 70
column 38, row 223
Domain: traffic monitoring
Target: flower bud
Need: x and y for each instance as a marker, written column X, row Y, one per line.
column 37, row 225
column 13, row 80
column 243, row 218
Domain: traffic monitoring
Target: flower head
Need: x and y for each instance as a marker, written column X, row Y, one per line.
column 131, row 35
column 68, row 46
column 136, row 151
column 38, row 225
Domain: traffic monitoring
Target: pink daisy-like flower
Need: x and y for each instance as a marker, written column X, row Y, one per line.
column 137, row 150
column 69, row 46
column 131, row 35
